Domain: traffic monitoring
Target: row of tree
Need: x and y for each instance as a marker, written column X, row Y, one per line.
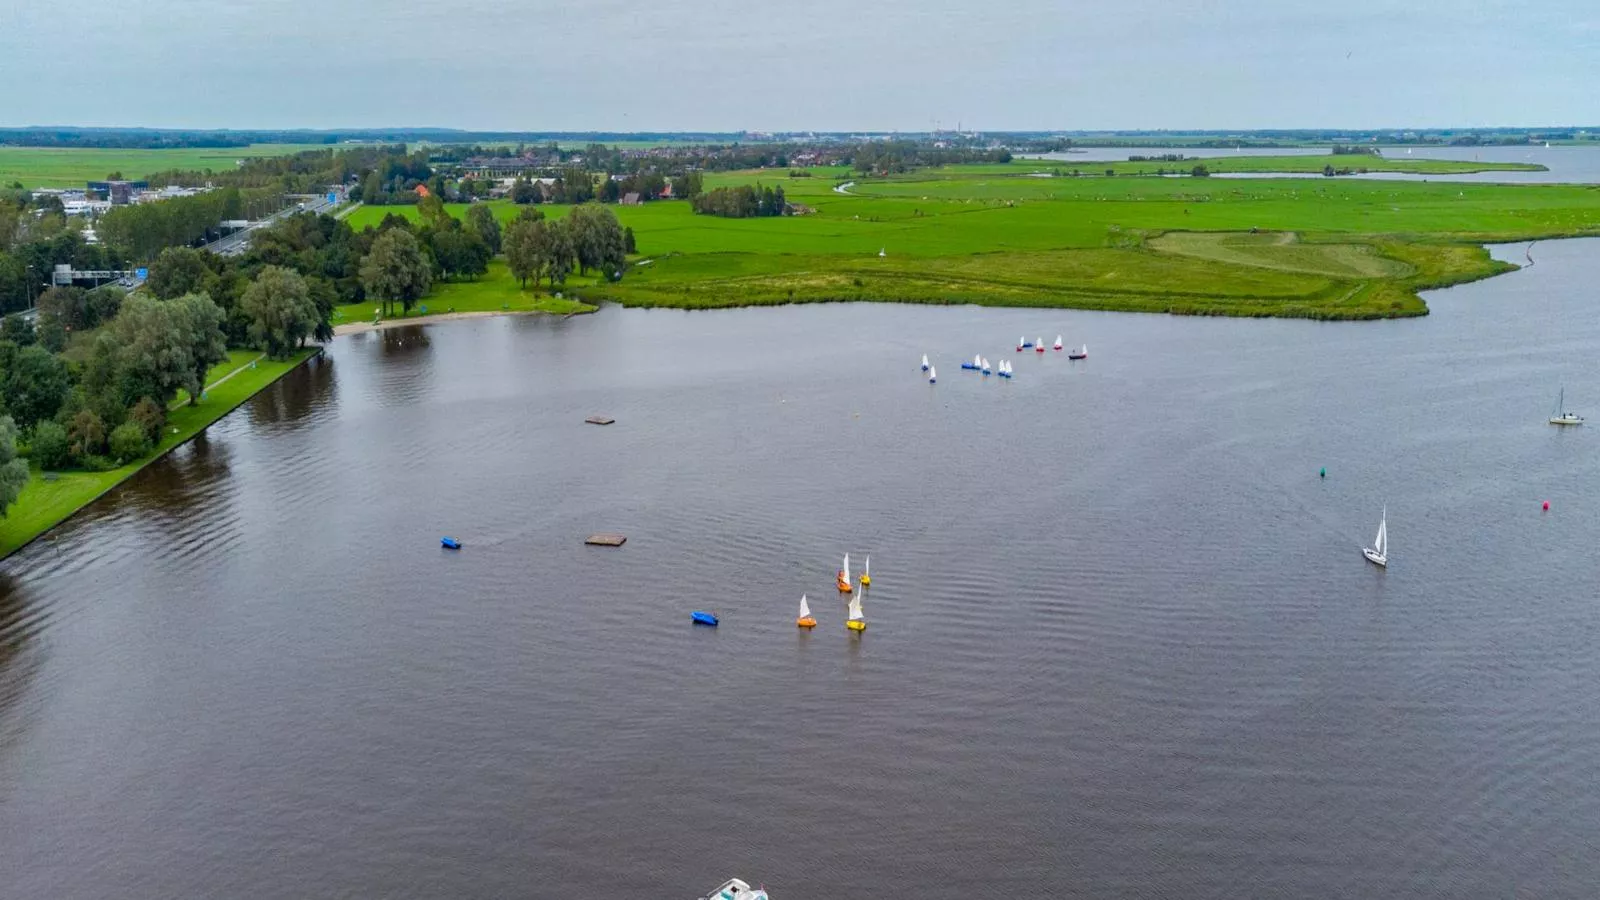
column 142, row 230
column 741, row 202
column 589, row 237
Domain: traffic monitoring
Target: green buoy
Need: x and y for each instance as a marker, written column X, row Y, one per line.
column 1323, row 473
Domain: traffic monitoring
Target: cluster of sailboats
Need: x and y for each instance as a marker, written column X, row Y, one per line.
column 1003, row 369
column 855, row 618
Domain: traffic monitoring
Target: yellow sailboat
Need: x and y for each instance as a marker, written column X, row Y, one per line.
column 857, row 620
column 866, row 572
column 805, row 620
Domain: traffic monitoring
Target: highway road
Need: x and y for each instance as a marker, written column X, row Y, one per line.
column 239, row 241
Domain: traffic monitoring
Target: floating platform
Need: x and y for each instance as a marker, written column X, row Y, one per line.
column 607, row 539
column 600, row 420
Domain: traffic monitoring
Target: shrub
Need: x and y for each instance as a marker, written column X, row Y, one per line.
column 129, row 442
column 87, row 434
column 150, row 416
column 49, row 447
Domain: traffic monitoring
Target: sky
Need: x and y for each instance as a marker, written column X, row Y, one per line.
column 825, row 65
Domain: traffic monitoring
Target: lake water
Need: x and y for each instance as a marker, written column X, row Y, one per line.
column 1122, row 641
column 1564, row 163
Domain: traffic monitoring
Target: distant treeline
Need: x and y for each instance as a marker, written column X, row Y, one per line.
column 885, row 157
column 158, row 138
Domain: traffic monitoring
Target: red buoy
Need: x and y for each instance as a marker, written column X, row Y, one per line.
column 1547, row 506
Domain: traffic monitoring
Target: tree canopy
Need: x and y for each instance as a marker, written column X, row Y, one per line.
column 13, row 471
column 281, row 313
column 396, row 270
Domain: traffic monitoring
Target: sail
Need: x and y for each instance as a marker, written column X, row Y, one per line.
column 1381, row 542
column 1058, row 340
column 846, row 570
column 805, row 608
column 855, row 607
column 977, row 361
column 866, row 567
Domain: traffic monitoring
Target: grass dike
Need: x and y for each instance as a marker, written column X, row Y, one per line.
column 50, row 499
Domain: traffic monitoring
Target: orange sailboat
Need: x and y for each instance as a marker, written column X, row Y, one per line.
column 844, row 577
column 805, row 620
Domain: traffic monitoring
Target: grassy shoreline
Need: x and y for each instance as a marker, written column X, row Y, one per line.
column 45, row 504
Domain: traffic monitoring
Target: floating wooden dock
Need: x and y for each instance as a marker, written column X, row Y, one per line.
column 599, row 420
column 607, row 539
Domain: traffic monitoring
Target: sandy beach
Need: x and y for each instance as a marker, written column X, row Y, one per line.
column 361, row 327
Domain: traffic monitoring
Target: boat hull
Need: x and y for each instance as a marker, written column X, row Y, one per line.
column 704, row 618
column 807, row 622
column 856, row 625
column 1375, row 557
column 1566, row 420
column 866, row 580
column 450, row 543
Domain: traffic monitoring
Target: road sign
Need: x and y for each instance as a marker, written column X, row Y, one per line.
column 332, row 197
column 141, row 273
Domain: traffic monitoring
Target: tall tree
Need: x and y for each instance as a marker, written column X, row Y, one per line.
column 13, row 471
column 154, row 347
column 200, row 328
column 281, row 312
column 597, row 238
column 522, row 246
column 557, row 251
column 396, row 270
column 36, row 383
column 481, row 221
column 178, row 271
column 431, row 210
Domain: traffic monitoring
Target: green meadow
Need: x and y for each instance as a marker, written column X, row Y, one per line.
column 72, row 166
column 1317, row 247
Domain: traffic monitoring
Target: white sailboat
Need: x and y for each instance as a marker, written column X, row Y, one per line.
column 933, row 375
column 924, row 362
column 805, row 620
column 1379, row 551
column 858, row 619
column 986, row 369
column 1560, row 416
column 866, row 572
column 1058, row 342
column 1080, row 353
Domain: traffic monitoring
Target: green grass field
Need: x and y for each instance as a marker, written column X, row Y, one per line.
column 496, row 291
column 1313, row 247
column 71, row 167
column 44, row 504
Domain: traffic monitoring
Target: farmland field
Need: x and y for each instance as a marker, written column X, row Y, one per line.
column 998, row 235
column 72, row 166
